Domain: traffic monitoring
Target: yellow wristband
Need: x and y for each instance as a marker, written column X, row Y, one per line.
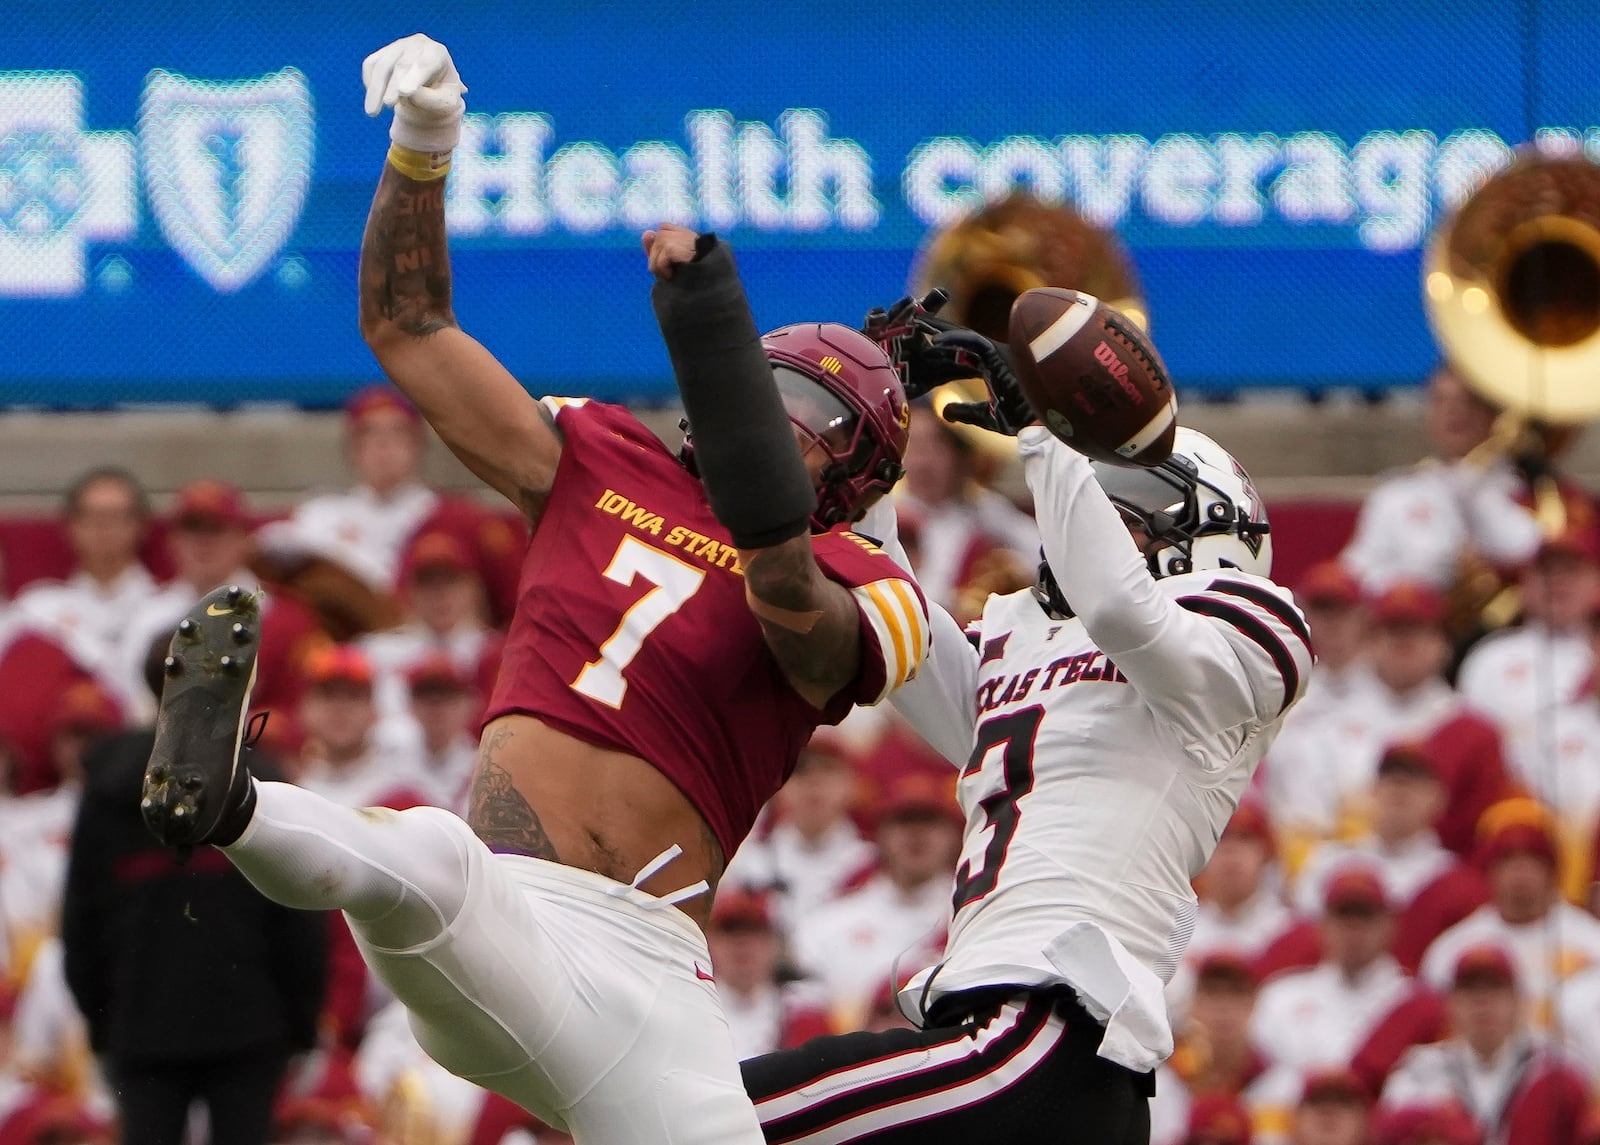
column 423, row 166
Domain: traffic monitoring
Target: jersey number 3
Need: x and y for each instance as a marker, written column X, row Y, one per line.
column 672, row 582
column 1015, row 733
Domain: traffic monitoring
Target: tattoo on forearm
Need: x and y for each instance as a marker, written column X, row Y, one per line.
column 825, row 656
column 781, row 575
column 405, row 259
column 498, row 812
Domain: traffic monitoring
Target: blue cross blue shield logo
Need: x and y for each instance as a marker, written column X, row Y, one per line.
column 227, row 166
column 61, row 186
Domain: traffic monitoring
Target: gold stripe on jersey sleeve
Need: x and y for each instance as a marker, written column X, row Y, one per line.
column 919, row 643
column 886, row 613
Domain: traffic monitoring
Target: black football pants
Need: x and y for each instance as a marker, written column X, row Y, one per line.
column 1020, row 1070
column 238, row 1093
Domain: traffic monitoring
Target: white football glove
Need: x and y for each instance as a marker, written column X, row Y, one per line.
column 417, row 78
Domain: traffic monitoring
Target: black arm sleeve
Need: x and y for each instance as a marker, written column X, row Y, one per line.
column 744, row 445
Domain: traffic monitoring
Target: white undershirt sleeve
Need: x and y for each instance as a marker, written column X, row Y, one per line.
column 941, row 701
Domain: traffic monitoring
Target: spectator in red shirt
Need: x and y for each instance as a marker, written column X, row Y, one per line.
column 764, row 1014
column 896, row 915
column 1214, row 1058
column 34, row 671
column 1429, row 886
column 444, row 595
column 1430, row 1124
column 1515, row 1087
column 1241, row 904
column 210, row 543
column 1334, row 1109
column 1218, row 1119
column 807, row 847
column 1320, row 778
column 341, row 760
column 445, row 705
column 1548, row 939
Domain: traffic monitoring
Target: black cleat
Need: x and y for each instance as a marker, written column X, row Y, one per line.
column 196, row 789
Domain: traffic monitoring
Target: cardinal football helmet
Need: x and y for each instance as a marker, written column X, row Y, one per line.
column 844, row 395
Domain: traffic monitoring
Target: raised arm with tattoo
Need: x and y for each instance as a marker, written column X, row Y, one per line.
column 749, row 460
column 480, row 411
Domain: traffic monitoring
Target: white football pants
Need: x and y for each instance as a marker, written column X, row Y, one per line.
column 584, row 1000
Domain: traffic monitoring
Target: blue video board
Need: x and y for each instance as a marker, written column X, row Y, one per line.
column 183, row 185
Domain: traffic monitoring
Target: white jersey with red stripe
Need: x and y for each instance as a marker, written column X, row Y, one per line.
column 1105, row 753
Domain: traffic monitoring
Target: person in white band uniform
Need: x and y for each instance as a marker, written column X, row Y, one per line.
column 1106, row 723
column 1419, row 524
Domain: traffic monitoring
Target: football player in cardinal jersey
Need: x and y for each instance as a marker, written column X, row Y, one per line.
column 1105, row 723
column 684, row 622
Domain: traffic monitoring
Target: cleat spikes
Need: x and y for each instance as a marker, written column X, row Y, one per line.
column 196, row 787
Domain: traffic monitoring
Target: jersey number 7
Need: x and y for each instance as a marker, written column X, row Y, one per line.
column 672, row 582
column 1015, row 733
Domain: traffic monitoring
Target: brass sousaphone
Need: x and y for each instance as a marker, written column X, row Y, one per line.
column 1511, row 283
column 1512, row 286
column 988, row 258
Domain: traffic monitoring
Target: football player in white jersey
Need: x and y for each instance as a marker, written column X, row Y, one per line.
column 1106, row 723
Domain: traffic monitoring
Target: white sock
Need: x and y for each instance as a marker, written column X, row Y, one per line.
column 400, row 876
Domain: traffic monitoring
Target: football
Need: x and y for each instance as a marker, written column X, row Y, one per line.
column 1093, row 377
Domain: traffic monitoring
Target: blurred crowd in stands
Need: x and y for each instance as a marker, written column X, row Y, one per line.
column 1396, row 943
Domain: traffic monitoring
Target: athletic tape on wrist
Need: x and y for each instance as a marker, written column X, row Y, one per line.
column 800, row 622
column 423, row 166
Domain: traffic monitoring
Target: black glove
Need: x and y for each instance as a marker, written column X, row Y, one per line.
column 909, row 331
column 1007, row 411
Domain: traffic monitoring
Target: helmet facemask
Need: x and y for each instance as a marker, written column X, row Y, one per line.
column 845, row 401
column 1198, row 511
column 844, row 459
column 1175, row 505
